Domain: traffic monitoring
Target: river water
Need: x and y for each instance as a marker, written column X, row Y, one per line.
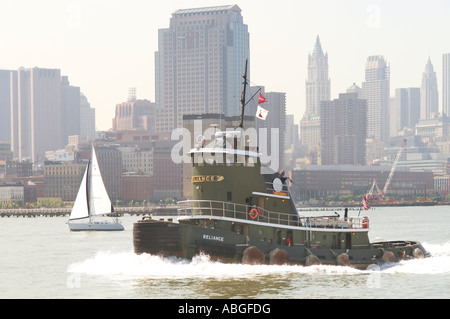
column 41, row 258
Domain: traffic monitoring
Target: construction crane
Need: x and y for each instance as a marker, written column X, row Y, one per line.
column 381, row 194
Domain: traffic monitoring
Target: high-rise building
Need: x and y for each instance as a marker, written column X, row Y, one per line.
column 70, row 109
column 446, row 84
column 317, row 90
column 318, row 83
column 375, row 90
column 5, row 106
column 45, row 111
column 429, row 101
column 36, row 113
column 404, row 110
column 343, row 130
column 199, row 64
column 87, row 118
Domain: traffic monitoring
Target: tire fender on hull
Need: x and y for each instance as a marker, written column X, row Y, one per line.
column 418, row 253
column 343, row 260
column 253, row 256
column 279, row 257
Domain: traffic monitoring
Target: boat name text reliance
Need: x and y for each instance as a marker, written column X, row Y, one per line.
column 210, row 237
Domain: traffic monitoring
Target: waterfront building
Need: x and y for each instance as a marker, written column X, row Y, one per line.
column 137, row 161
column 137, row 187
column 167, row 176
column 62, row 180
column 11, row 194
column 318, row 181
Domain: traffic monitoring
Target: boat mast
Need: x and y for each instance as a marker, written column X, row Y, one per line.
column 88, row 180
column 241, row 125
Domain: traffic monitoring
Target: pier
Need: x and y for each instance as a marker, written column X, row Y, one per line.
column 62, row 212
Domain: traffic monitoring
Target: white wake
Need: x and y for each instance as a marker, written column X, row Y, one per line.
column 144, row 265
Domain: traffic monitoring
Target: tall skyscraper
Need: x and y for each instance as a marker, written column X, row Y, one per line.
column 446, row 84
column 429, row 100
column 5, row 106
column 343, row 130
column 317, row 90
column 36, row 112
column 375, row 90
column 318, row 83
column 199, row 64
column 45, row 110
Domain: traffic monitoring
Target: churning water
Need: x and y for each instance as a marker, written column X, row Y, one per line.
column 41, row 258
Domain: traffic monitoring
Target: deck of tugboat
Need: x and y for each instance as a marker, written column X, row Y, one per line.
column 226, row 211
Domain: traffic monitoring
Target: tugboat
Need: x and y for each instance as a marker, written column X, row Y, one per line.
column 240, row 214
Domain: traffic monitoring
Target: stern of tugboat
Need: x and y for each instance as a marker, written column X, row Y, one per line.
column 156, row 237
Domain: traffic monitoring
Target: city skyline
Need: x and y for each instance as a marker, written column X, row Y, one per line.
column 107, row 47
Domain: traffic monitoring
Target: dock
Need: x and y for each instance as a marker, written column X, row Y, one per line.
column 65, row 212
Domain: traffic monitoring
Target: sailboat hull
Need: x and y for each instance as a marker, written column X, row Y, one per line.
column 96, row 226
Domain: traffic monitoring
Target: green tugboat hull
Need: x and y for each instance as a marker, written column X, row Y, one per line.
column 186, row 240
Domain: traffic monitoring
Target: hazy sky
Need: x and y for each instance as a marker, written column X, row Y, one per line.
column 108, row 46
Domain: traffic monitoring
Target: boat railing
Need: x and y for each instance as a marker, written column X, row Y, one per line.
column 209, row 208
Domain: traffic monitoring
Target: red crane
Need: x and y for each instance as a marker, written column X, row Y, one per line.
column 380, row 194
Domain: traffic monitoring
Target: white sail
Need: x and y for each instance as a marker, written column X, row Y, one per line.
column 92, row 200
column 99, row 202
column 80, row 207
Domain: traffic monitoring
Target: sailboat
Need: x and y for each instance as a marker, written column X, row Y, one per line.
column 92, row 201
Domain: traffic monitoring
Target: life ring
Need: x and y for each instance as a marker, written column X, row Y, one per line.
column 253, row 213
column 365, row 222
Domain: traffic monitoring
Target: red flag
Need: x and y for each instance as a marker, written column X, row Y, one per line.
column 365, row 204
column 262, row 99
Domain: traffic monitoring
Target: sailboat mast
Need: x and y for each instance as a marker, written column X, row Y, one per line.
column 88, row 180
column 241, row 125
